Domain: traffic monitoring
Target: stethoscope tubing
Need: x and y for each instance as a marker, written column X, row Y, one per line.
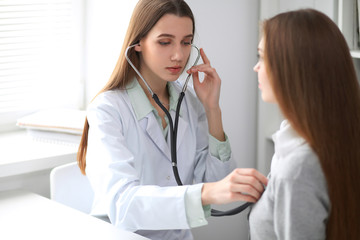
column 174, row 128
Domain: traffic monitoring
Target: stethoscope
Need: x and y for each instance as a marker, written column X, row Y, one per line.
column 174, row 128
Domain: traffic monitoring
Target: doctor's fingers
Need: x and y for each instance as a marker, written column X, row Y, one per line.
column 205, row 68
column 248, row 186
column 245, row 179
column 204, row 57
column 254, row 173
column 238, row 196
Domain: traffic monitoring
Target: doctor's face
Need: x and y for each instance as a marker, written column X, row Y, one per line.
column 166, row 48
column 267, row 93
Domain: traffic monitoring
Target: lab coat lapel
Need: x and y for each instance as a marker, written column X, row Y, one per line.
column 156, row 135
column 182, row 128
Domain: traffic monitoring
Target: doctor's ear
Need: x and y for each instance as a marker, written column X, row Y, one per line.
column 138, row 48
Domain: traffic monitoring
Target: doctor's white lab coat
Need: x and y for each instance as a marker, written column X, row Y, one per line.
column 129, row 162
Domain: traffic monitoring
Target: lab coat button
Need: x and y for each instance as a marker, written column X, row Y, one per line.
column 168, row 177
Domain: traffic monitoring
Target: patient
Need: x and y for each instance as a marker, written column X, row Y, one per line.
column 313, row 193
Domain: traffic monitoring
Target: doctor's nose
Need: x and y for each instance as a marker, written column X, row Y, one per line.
column 177, row 54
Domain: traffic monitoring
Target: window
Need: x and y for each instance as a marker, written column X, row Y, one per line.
column 40, row 56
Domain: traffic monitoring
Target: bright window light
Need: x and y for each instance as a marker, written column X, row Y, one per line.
column 40, row 56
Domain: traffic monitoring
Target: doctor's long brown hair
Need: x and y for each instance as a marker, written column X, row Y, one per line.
column 314, row 81
column 145, row 16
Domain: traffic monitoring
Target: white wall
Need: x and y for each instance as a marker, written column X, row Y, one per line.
column 228, row 32
column 270, row 8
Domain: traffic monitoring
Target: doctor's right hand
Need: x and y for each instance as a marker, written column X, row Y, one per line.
column 242, row 184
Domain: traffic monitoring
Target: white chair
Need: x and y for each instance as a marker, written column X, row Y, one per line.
column 69, row 187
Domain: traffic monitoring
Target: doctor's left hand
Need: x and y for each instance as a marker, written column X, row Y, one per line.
column 208, row 91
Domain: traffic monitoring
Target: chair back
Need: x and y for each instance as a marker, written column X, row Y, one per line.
column 69, row 187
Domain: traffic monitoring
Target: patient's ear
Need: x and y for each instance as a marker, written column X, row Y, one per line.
column 138, row 48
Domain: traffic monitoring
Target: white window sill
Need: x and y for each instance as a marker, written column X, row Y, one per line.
column 20, row 154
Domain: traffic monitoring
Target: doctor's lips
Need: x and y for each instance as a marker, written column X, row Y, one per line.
column 174, row 69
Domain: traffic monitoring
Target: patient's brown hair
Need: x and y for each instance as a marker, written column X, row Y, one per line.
column 315, row 84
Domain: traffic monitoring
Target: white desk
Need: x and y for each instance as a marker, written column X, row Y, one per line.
column 25, row 215
column 20, row 154
column 26, row 163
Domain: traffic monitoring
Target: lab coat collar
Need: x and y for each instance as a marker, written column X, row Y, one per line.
column 174, row 96
column 143, row 108
column 154, row 132
column 286, row 139
column 140, row 102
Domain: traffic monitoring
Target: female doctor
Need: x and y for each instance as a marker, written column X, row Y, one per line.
column 125, row 148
